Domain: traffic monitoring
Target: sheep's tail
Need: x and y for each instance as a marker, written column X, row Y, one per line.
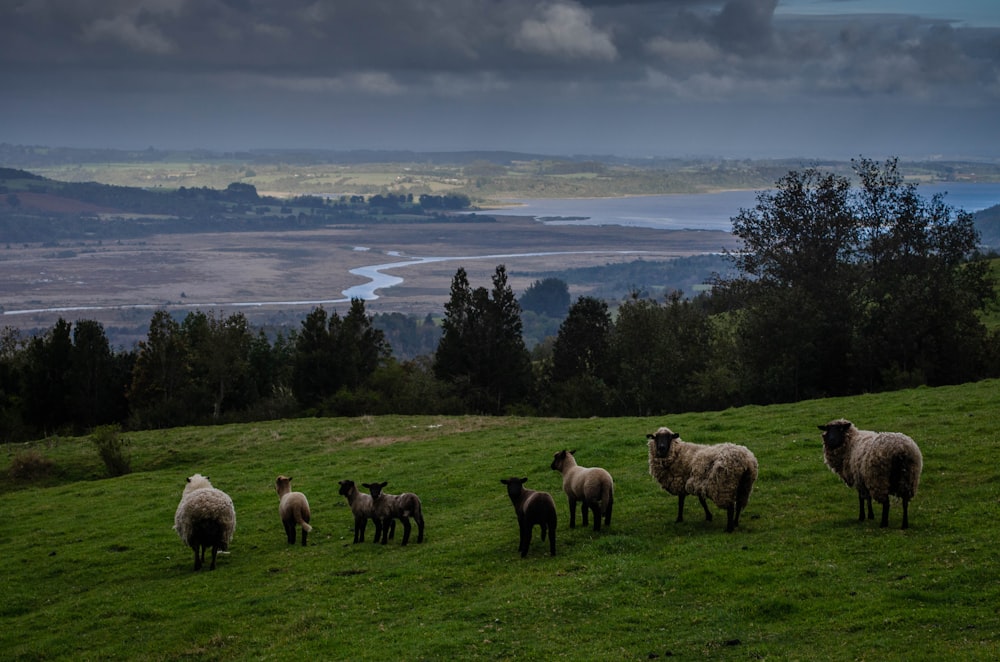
column 744, row 488
column 900, row 477
column 302, row 522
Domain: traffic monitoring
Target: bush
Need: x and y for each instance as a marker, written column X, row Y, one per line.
column 30, row 465
column 113, row 449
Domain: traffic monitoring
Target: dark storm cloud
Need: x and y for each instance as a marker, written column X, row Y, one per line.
column 205, row 55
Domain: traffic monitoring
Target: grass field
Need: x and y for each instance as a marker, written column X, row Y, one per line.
column 90, row 567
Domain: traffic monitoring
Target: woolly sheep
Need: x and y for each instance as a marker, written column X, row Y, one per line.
column 205, row 518
column 877, row 464
column 363, row 507
column 592, row 486
column 532, row 507
column 389, row 507
column 724, row 473
column 293, row 508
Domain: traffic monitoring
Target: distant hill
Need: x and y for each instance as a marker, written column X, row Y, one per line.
column 988, row 224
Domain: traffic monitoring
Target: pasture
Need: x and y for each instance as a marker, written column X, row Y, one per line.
column 91, row 569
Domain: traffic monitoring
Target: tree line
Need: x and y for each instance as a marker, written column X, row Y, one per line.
column 838, row 288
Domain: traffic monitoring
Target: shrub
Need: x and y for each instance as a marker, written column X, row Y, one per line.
column 30, row 465
column 113, row 449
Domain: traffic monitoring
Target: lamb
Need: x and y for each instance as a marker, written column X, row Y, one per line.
column 363, row 507
column 532, row 507
column 389, row 507
column 877, row 464
column 293, row 508
column 592, row 486
column 724, row 473
column 205, row 518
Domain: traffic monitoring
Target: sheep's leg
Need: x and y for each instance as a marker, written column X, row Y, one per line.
column 704, row 506
column 215, row 551
column 597, row 515
column 290, row 532
column 420, row 527
column 198, row 559
column 525, row 539
column 607, row 512
column 731, row 517
column 906, row 519
column 885, row 513
column 552, row 539
column 304, row 535
column 572, row 514
column 406, row 529
column 680, row 507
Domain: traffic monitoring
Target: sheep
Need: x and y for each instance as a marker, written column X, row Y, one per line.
column 724, row 473
column 389, row 507
column 592, row 486
column 532, row 507
column 877, row 464
column 293, row 508
column 205, row 518
column 363, row 507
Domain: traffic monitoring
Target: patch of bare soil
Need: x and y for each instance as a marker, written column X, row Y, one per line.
column 121, row 283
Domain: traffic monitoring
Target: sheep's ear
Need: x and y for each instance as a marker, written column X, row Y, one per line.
column 824, row 428
column 187, row 480
column 504, row 481
column 573, row 452
column 524, row 480
column 675, row 435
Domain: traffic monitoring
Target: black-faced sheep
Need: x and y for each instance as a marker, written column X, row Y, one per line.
column 205, row 518
column 293, row 508
column 592, row 486
column 363, row 507
column 532, row 507
column 876, row 464
column 389, row 507
column 724, row 473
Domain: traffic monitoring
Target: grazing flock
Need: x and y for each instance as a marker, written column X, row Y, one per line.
column 878, row 465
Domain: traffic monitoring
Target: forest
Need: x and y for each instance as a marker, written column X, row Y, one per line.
column 838, row 290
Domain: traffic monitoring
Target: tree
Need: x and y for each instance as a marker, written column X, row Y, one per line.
column 47, row 378
column 847, row 289
column 481, row 353
column 98, row 384
column 159, row 395
column 546, row 297
column 581, row 361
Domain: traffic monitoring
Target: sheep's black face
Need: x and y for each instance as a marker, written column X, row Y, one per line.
column 834, row 435
column 558, row 460
column 345, row 487
column 662, row 443
column 514, row 486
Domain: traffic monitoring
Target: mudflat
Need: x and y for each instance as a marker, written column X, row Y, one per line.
column 122, row 281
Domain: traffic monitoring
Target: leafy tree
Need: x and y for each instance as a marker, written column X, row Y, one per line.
column 159, row 394
column 546, row 297
column 98, row 380
column 47, row 390
column 848, row 289
column 581, row 360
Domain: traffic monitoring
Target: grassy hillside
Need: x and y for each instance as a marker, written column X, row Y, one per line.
column 92, row 570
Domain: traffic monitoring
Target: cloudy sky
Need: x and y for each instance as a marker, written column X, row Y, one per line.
column 737, row 78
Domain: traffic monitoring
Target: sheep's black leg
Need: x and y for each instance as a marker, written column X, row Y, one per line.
column 215, row 550
column 572, row 514
column 198, row 559
column 597, row 516
column 525, row 540
column 906, row 519
column 607, row 512
column 885, row 513
column 304, row 535
column 290, row 532
column 730, row 518
column 420, row 527
column 406, row 529
column 680, row 508
column 704, row 506
column 861, row 507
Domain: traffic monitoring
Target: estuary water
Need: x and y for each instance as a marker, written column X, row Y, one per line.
column 702, row 211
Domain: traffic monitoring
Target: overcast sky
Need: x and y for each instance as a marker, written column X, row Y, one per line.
column 742, row 78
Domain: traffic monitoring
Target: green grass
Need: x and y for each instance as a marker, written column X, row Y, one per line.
column 90, row 568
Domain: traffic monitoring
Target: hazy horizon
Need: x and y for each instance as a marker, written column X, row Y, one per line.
column 653, row 78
